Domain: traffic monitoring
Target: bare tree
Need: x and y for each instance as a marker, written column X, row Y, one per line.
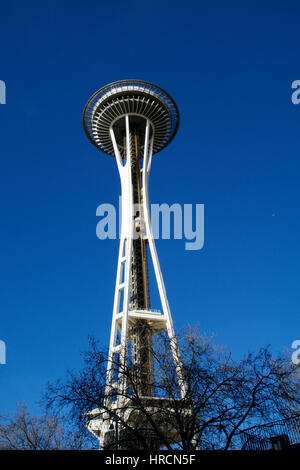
column 21, row 431
column 223, row 399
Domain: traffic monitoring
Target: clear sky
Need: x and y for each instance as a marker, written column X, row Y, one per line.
column 229, row 66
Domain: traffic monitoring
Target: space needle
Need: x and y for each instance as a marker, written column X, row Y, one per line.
column 132, row 120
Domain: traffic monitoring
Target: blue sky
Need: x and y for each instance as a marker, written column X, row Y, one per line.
column 229, row 66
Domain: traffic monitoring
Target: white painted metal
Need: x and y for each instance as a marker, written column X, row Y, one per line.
column 122, row 312
column 159, row 108
column 157, row 270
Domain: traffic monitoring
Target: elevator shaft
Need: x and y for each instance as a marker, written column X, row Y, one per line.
column 139, row 285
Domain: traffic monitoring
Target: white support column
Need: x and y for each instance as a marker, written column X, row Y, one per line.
column 123, row 268
column 127, row 214
column 158, row 274
column 125, row 261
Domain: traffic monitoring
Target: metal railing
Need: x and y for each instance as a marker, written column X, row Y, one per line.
column 275, row 435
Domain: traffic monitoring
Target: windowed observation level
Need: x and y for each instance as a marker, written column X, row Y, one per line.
column 135, row 98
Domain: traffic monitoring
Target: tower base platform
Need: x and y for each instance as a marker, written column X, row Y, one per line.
column 151, row 428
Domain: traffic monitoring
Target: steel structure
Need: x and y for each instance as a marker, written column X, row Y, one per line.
column 277, row 435
column 132, row 120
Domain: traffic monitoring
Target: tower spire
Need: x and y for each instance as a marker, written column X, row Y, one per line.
column 132, row 120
